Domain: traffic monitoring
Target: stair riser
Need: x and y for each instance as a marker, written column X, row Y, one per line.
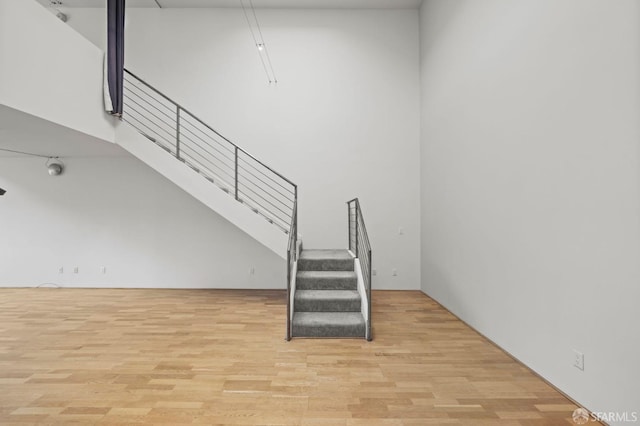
column 302, row 305
column 326, row 283
column 325, row 264
column 328, row 331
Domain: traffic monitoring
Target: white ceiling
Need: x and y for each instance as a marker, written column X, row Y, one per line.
column 24, row 132
column 290, row 4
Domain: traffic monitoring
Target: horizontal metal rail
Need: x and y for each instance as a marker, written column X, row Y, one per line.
column 206, row 151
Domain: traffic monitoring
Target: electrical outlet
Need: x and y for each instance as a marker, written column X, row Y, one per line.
column 401, row 231
column 394, row 272
column 61, row 270
column 76, row 270
column 103, row 270
column 578, row 360
column 374, row 272
column 252, row 271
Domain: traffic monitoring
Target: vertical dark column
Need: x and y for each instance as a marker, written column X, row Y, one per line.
column 115, row 53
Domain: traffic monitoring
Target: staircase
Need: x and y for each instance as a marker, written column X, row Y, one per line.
column 326, row 301
column 328, row 291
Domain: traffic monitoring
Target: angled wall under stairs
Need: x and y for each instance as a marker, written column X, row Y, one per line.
column 201, row 161
column 203, row 189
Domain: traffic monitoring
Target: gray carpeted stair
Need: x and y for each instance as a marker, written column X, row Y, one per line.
column 325, row 260
column 328, row 324
column 327, row 280
column 327, row 303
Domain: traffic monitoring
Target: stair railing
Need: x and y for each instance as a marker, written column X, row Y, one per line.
column 292, row 258
column 206, row 151
column 360, row 246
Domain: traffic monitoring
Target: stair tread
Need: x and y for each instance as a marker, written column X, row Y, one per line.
column 326, row 280
column 328, row 319
column 325, row 254
column 327, row 294
column 326, row 274
column 325, row 260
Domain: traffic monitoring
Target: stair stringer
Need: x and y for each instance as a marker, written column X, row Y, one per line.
column 203, row 190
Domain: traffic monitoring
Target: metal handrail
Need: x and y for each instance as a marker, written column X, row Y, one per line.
column 206, row 125
column 205, row 150
column 359, row 244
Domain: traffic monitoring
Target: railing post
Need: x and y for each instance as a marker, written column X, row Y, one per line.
column 295, row 226
column 356, row 219
column 236, row 172
column 178, row 131
column 288, row 335
column 369, row 337
column 349, row 222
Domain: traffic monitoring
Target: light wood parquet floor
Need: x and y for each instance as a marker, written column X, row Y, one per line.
column 218, row 357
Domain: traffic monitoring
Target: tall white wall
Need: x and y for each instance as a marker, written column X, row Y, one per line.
column 530, row 183
column 116, row 212
column 342, row 122
column 48, row 70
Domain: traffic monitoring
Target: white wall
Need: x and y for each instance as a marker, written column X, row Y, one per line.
column 118, row 213
column 48, row 70
column 530, row 185
column 343, row 120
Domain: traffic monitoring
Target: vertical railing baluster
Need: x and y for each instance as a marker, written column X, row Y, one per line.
column 356, row 219
column 288, row 332
column 349, row 222
column 369, row 337
column 295, row 222
column 236, row 172
column 178, row 132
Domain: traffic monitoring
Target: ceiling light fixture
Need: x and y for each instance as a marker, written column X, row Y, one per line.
column 54, row 165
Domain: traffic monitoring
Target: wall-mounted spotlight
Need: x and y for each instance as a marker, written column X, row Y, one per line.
column 2, row 191
column 54, row 167
column 62, row 16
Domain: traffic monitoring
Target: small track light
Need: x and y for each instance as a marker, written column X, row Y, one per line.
column 2, row 191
